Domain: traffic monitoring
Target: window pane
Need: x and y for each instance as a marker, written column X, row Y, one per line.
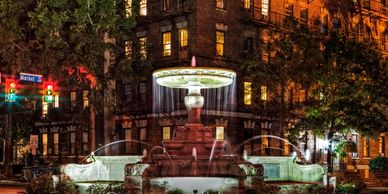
column 167, row 44
column 128, row 8
column 44, row 109
column 73, row 100
column 220, row 4
column 56, row 101
column 264, row 7
column 247, row 4
column 248, row 93
column 128, row 48
column 85, row 137
column 183, row 37
column 55, row 142
column 128, row 91
column 44, row 143
column 143, row 47
column 166, row 133
column 128, row 136
column 220, row 133
column 220, row 41
column 72, row 143
column 289, row 9
column 143, row 7
column 85, row 96
column 143, row 134
column 263, row 93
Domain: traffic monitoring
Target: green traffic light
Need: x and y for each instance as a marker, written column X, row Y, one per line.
column 48, row 98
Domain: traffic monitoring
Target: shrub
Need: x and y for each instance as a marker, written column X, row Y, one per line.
column 378, row 163
column 176, row 191
column 41, row 185
column 66, row 187
column 115, row 187
column 348, row 188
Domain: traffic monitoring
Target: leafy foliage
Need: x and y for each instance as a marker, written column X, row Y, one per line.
column 378, row 163
column 353, row 93
column 41, row 184
column 349, row 188
column 293, row 61
column 175, row 191
column 114, row 187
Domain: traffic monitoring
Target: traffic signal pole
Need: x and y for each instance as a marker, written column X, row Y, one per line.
column 8, row 151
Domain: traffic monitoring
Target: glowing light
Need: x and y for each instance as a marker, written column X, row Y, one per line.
column 194, row 77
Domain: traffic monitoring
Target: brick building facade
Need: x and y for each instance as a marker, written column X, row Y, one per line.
column 219, row 33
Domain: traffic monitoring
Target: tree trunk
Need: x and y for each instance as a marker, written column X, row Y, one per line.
column 329, row 156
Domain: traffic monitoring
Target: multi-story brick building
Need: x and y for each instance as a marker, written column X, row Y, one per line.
column 219, row 33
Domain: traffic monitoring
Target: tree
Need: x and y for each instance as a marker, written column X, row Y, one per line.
column 293, row 64
column 74, row 42
column 352, row 89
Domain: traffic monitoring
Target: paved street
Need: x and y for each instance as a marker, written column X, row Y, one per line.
column 5, row 189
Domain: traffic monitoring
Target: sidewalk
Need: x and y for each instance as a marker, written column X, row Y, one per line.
column 375, row 190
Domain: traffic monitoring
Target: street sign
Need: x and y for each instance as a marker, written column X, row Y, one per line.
column 30, row 77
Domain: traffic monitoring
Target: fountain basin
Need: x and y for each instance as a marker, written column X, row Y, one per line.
column 200, row 184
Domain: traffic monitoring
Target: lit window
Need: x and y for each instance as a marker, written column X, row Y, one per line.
column 85, row 142
column 183, row 37
column 44, row 108
column 220, row 4
column 366, row 147
column 248, row 93
column 166, row 133
column 382, row 145
column 166, row 4
column 264, row 141
column 302, row 95
column 166, row 44
column 72, row 143
column 143, row 7
column 44, row 143
column 85, row 98
column 143, row 47
column 56, row 101
column 220, row 36
column 143, row 134
column 264, row 7
column 128, row 137
column 247, row 4
column 128, row 8
column 56, row 143
column 289, row 9
column 73, row 100
column 263, row 93
column 220, row 132
column 128, row 49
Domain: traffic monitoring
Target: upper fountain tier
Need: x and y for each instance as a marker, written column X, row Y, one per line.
column 198, row 77
column 194, row 77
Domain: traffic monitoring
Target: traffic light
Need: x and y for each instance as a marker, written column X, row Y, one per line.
column 48, row 94
column 10, row 88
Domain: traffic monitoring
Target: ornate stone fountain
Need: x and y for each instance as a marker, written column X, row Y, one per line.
column 194, row 150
